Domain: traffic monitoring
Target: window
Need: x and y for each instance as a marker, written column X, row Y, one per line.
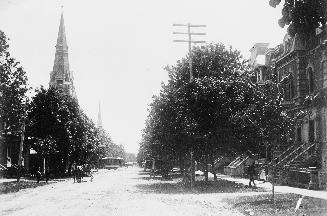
column 324, row 71
column 311, row 130
column 291, row 87
column 310, row 80
column 286, row 91
column 299, row 134
column 260, row 76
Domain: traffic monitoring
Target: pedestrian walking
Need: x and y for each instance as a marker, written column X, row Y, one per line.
column 78, row 174
column 38, row 175
column 74, row 172
column 251, row 174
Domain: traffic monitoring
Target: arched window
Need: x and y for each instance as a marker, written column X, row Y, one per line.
column 310, row 80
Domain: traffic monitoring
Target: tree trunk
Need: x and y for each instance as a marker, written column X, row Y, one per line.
column 206, row 168
column 192, row 169
column 213, row 167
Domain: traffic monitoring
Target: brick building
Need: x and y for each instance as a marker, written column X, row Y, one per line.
column 300, row 65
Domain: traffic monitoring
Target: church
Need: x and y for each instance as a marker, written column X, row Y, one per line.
column 61, row 77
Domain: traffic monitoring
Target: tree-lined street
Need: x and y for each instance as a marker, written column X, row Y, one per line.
column 117, row 192
column 221, row 134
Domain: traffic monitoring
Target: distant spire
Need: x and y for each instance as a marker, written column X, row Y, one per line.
column 99, row 123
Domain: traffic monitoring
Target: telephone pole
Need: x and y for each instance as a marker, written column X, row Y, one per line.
column 190, row 42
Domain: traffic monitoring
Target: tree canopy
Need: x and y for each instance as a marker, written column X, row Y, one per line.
column 58, row 128
column 302, row 16
column 223, row 111
column 13, row 90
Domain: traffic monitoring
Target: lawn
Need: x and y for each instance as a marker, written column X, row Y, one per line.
column 284, row 204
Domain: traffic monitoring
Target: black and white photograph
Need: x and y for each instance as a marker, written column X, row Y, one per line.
column 163, row 107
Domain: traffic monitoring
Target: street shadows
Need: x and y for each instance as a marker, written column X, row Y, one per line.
column 14, row 186
column 176, row 186
column 148, row 176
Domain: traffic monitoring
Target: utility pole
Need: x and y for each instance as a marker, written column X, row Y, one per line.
column 190, row 42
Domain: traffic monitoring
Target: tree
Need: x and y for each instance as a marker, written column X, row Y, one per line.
column 13, row 98
column 221, row 112
column 61, row 132
column 199, row 115
column 302, row 16
column 130, row 157
column 52, row 127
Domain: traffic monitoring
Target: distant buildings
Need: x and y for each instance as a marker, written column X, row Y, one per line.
column 300, row 66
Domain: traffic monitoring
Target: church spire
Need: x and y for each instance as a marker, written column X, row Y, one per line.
column 61, row 77
column 61, row 40
column 99, row 123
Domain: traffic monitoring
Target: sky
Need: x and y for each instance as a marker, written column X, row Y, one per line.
column 118, row 49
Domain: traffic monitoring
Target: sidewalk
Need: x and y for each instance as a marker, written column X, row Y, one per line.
column 3, row 180
column 322, row 194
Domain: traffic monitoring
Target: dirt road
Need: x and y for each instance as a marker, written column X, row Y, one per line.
column 127, row 191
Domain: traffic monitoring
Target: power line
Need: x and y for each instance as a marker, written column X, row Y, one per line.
column 190, row 41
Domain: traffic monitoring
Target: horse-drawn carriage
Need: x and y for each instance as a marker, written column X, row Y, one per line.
column 82, row 171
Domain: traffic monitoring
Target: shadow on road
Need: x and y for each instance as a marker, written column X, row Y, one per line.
column 176, row 186
column 147, row 176
column 14, row 186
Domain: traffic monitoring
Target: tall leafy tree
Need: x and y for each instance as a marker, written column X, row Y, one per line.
column 52, row 125
column 59, row 130
column 302, row 16
column 199, row 115
column 221, row 112
column 13, row 96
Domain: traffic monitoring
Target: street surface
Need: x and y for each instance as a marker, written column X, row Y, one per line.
column 126, row 191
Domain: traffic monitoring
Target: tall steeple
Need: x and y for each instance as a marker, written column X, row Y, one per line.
column 60, row 76
column 61, row 40
column 99, row 123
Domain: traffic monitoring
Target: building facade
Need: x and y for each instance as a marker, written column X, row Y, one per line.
column 300, row 67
